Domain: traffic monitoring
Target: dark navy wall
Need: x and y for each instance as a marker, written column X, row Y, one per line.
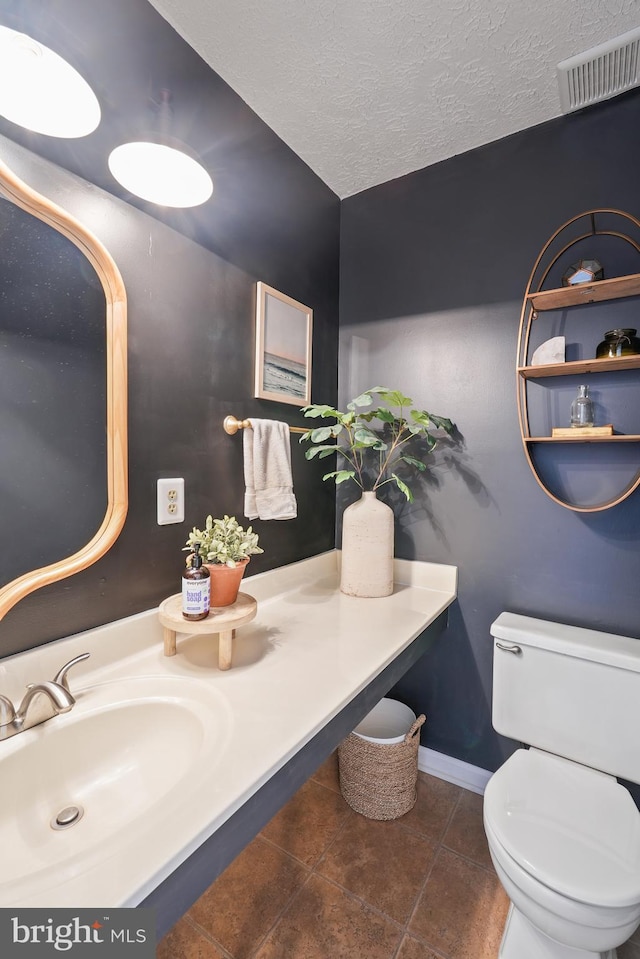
column 190, row 349
column 190, row 278
column 433, row 270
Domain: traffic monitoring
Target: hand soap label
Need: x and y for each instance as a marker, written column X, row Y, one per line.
column 196, row 595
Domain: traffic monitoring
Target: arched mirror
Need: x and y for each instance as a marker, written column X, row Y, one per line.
column 63, row 394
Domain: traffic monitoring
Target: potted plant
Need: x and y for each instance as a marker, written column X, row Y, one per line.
column 380, row 432
column 226, row 549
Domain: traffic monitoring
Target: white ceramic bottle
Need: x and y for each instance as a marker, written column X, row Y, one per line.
column 367, row 548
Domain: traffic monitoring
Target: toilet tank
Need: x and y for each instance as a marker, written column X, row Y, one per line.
column 570, row 691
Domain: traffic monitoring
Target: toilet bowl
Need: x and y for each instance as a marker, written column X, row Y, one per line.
column 565, row 841
column 563, row 834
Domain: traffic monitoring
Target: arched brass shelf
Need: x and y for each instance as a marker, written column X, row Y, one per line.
column 537, row 300
column 18, row 192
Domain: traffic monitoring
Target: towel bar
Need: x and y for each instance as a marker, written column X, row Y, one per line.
column 231, row 425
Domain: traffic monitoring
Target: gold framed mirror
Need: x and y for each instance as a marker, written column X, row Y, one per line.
column 114, row 441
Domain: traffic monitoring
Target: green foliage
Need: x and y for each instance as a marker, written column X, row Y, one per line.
column 374, row 436
column 223, row 541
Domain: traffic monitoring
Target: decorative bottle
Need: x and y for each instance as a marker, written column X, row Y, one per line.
column 582, row 408
column 367, row 548
column 196, row 588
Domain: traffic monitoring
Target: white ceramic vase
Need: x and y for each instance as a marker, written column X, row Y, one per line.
column 367, row 548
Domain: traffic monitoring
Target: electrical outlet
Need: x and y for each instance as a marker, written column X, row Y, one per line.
column 170, row 501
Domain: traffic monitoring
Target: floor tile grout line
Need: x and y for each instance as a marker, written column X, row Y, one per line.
column 474, row 862
column 352, row 817
column 439, row 847
column 324, row 785
column 454, row 810
column 209, row 938
column 421, row 893
column 458, row 852
column 227, row 954
column 280, row 915
column 402, row 928
column 287, row 852
column 272, row 842
column 451, row 814
column 289, row 855
column 414, row 935
column 369, row 905
column 438, row 953
column 342, row 828
column 363, row 902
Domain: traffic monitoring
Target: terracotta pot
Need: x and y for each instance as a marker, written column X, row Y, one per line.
column 225, row 582
column 367, row 548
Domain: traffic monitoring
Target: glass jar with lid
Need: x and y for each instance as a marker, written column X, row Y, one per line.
column 620, row 342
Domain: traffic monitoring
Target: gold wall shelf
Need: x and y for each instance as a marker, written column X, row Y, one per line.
column 580, row 293
column 536, row 301
column 605, row 365
column 616, row 438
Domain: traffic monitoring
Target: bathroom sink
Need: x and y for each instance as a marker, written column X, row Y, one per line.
column 114, row 769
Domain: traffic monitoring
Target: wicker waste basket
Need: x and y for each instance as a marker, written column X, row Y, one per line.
column 377, row 777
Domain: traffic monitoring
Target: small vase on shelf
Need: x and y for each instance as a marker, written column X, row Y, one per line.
column 582, row 408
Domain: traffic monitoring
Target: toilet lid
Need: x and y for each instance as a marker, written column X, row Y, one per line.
column 572, row 828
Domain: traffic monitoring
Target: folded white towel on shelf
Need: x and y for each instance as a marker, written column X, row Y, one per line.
column 267, row 471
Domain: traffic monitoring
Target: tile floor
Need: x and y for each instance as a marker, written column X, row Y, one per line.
column 322, row 882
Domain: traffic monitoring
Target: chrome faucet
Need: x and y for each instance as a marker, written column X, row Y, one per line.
column 61, row 700
column 41, row 702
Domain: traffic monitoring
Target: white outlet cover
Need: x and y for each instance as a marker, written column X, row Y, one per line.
column 170, row 501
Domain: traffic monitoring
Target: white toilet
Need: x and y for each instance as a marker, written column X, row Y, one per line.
column 564, row 835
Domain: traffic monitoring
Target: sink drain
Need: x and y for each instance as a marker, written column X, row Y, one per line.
column 67, row 817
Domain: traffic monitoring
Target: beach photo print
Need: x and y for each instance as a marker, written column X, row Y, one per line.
column 283, row 348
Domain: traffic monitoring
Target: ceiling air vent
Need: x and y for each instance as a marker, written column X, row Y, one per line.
column 600, row 73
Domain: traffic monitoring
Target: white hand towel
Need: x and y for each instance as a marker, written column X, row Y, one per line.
column 267, row 471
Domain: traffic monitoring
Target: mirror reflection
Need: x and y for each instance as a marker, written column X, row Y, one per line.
column 63, row 454
column 53, row 478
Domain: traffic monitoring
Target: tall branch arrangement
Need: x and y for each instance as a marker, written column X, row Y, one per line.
column 378, row 436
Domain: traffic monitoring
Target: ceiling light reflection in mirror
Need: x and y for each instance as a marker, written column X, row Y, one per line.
column 42, row 92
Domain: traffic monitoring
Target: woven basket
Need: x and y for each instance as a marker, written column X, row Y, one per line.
column 378, row 780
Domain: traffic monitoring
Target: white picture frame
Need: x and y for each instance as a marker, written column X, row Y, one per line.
column 284, row 329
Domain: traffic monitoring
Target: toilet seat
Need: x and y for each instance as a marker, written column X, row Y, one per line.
column 571, row 828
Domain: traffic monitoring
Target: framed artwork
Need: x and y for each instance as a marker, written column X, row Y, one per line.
column 283, row 348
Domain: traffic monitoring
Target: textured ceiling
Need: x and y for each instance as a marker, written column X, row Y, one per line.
column 367, row 90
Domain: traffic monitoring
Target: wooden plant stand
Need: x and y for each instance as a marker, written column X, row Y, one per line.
column 223, row 620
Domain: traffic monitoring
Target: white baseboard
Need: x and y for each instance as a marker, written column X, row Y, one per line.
column 453, row 770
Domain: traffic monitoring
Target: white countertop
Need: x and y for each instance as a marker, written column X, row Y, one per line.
column 307, row 654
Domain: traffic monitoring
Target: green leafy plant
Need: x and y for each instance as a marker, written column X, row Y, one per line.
column 223, row 541
column 373, row 439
